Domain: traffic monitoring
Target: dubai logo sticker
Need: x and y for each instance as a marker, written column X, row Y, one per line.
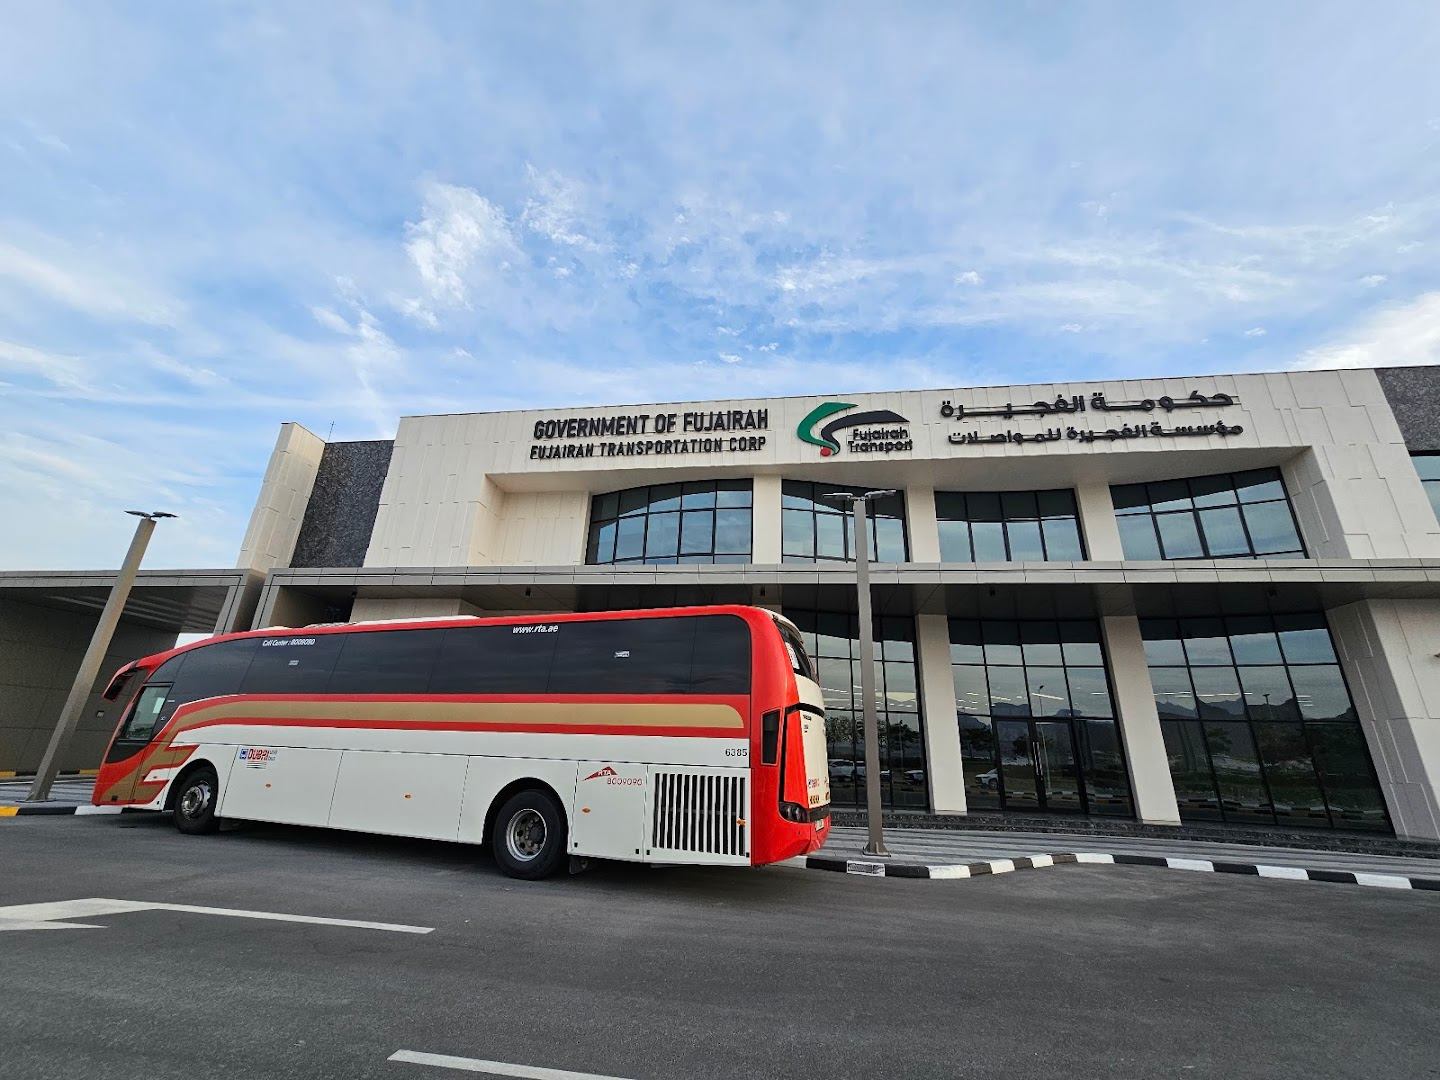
column 878, row 431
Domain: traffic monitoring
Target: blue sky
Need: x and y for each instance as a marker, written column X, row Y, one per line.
column 214, row 218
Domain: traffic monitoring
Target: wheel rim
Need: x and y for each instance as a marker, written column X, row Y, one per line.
column 525, row 835
column 195, row 800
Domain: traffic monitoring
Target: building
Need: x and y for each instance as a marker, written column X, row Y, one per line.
column 1211, row 599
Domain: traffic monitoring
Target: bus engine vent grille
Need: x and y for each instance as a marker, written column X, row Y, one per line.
column 700, row 812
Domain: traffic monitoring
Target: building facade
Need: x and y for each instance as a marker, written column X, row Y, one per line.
column 1210, row 599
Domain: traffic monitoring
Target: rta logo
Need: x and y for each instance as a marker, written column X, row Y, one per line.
column 614, row 779
column 608, row 770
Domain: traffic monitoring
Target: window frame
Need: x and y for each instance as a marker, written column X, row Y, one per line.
column 817, row 510
column 1006, row 500
column 682, row 503
column 1195, row 511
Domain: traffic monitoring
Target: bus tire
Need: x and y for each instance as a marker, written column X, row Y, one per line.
column 196, row 797
column 529, row 835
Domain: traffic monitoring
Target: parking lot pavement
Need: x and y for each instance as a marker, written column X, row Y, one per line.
column 959, row 846
column 683, row 972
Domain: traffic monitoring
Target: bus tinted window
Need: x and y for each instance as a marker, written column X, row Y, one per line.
column 386, row 662
column 206, row 672
column 652, row 656
column 721, row 662
column 495, row 660
column 292, row 665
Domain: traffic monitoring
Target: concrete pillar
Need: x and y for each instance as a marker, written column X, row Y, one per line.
column 937, row 701
column 1145, row 755
column 284, row 493
column 765, row 518
column 1388, row 651
column 1097, row 521
column 920, row 524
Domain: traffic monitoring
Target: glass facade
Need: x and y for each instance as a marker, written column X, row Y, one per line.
column 833, row 641
column 708, row 521
column 1037, row 722
column 817, row 528
column 1428, row 466
column 1226, row 516
column 1009, row 526
column 1258, row 723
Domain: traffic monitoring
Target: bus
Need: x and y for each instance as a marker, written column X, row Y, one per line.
column 679, row 735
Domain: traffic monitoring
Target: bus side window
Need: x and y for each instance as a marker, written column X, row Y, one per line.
column 770, row 737
column 208, row 671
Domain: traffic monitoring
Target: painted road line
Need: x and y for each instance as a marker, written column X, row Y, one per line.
column 52, row 915
column 494, row 1068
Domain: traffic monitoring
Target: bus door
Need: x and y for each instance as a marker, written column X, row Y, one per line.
column 146, row 716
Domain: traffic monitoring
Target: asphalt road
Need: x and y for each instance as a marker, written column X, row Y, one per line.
column 628, row 972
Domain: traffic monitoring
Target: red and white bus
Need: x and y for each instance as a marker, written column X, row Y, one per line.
column 678, row 735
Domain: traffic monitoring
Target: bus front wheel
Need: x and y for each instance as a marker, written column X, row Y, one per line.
column 529, row 835
column 195, row 802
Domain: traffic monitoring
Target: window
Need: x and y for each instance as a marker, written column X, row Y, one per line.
column 292, row 665
column 1037, row 722
column 832, row 639
column 1009, row 526
column 1258, row 722
column 1227, row 516
column 695, row 655
column 386, row 661
column 1428, row 466
column 818, row 528
column 145, row 716
column 698, row 522
column 207, row 672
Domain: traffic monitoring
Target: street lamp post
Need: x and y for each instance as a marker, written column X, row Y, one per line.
column 875, row 844
column 94, row 655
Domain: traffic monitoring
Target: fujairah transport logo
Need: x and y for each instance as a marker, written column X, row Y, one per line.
column 871, row 432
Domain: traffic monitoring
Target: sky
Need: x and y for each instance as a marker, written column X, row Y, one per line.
column 218, row 217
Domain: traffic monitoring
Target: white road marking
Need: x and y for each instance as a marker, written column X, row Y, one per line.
column 83, row 810
column 1038, row 861
column 1382, row 881
column 950, row 872
column 1294, row 873
column 494, row 1068
column 49, row 915
column 23, row 924
column 1176, row 863
column 1002, row 866
column 1094, row 857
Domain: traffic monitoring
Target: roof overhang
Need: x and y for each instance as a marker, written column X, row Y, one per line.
column 183, row 601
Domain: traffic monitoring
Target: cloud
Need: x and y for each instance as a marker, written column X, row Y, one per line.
column 969, row 277
column 1398, row 336
column 729, row 358
column 460, row 235
column 1071, row 328
column 1255, row 331
column 555, row 210
column 96, row 293
column 1371, row 281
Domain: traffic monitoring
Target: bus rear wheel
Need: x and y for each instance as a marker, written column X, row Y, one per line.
column 528, row 838
column 195, row 802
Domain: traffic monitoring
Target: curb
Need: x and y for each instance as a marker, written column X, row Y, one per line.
column 41, row 808
column 952, row 871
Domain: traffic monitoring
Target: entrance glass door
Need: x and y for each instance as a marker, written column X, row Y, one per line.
column 1019, row 780
column 1038, row 770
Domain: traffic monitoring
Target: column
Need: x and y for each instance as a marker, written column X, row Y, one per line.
column 765, row 518
column 1097, row 521
column 922, row 530
column 937, row 701
column 1388, row 651
column 284, row 494
column 1145, row 755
